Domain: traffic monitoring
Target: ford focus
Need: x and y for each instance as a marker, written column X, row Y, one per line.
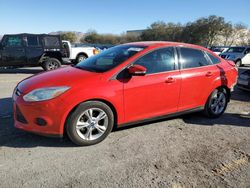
column 124, row 85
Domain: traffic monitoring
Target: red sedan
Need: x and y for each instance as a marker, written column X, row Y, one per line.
column 124, row 85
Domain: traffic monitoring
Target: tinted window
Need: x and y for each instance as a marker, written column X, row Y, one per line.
column 32, row 41
column 51, row 41
column 192, row 58
column 217, row 49
column 13, row 41
column 158, row 61
column 109, row 58
column 236, row 49
column 213, row 59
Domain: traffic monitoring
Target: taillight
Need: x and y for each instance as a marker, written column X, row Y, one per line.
column 95, row 51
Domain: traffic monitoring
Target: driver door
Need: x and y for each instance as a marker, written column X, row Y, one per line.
column 13, row 52
column 157, row 92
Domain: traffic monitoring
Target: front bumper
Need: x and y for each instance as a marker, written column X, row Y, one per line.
column 43, row 118
column 243, row 84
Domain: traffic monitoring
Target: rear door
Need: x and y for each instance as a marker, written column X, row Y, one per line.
column 34, row 49
column 198, row 74
column 13, row 52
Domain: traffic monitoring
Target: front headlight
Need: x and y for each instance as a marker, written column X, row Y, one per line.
column 43, row 94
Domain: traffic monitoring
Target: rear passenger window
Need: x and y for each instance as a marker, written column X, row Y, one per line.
column 160, row 60
column 51, row 42
column 191, row 58
column 213, row 59
column 32, row 41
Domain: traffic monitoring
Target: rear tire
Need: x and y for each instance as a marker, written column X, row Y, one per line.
column 80, row 58
column 51, row 64
column 90, row 123
column 216, row 103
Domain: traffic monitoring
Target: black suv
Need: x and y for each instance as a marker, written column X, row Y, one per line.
column 24, row 50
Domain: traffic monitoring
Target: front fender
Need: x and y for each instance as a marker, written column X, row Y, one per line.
column 115, row 99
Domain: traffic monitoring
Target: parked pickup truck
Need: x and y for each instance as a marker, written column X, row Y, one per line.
column 76, row 54
column 23, row 50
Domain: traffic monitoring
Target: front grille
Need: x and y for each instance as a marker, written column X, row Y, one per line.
column 19, row 116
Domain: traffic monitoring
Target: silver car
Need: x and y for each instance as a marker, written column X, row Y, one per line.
column 240, row 55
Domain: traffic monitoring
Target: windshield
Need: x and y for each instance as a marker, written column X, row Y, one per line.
column 236, row 49
column 110, row 58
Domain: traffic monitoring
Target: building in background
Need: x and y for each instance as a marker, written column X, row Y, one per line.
column 136, row 33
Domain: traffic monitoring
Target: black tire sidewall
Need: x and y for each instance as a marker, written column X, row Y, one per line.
column 78, row 57
column 72, row 120
column 46, row 63
column 238, row 63
column 208, row 110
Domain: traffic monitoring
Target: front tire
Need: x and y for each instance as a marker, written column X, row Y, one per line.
column 216, row 103
column 90, row 123
column 51, row 64
column 238, row 63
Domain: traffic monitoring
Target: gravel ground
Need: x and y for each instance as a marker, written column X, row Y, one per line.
column 187, row 151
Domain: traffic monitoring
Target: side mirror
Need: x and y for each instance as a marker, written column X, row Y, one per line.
column 137, row 70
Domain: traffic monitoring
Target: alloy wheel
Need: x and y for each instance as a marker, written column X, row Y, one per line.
column 52, row 65
column 218, row 103
column 92, row 124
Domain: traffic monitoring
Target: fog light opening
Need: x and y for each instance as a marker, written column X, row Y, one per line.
column 41, row 122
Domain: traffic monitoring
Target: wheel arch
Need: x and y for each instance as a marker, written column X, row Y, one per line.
column 47, row 55
column 222, row 87
column 228, row 91
column 82, row 53
column 112, row 107
column 238, row 59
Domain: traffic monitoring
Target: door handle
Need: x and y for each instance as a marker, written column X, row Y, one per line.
column 208, row 74
column 170, row 80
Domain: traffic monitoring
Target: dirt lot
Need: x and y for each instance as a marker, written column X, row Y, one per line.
column 188, row 151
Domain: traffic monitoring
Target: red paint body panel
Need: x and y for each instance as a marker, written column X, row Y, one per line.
column 151, row 95
column 134, row 99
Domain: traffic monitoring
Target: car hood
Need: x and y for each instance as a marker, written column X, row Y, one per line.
column 66, row 76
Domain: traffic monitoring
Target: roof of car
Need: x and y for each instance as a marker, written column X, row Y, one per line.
column 165, row 43
column 239, row 46
column 43, row 34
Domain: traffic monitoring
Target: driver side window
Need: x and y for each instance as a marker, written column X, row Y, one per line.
column 160, row 60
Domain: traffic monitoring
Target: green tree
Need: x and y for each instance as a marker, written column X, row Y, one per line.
column 163, row 31
column 70, row 36
column 92, row 37
column 226, row 34
column 204, row 30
